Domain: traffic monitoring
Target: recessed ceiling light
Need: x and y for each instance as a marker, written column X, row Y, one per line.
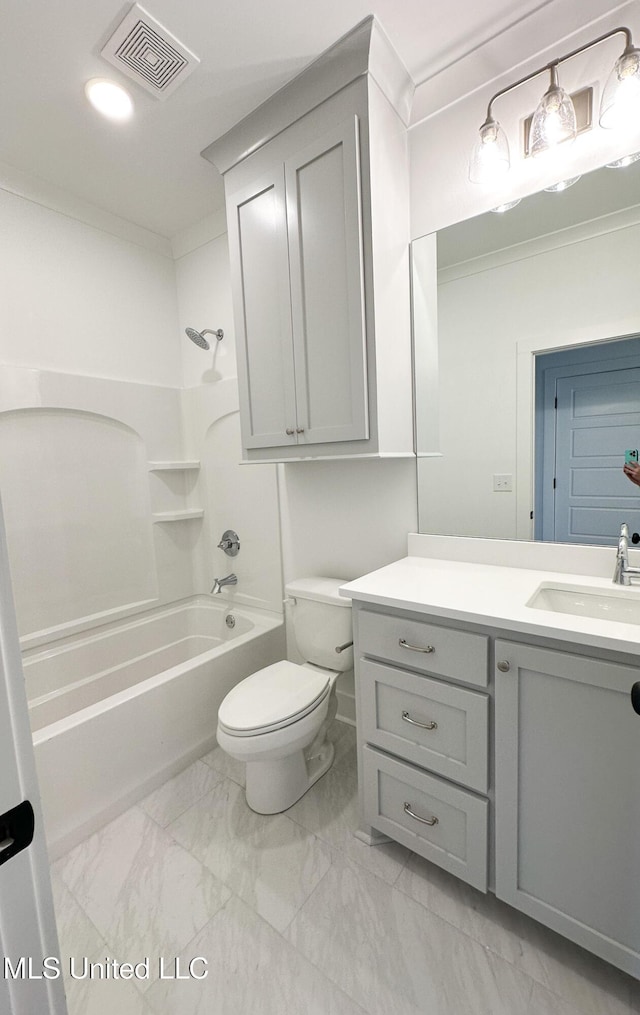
column 108, row 98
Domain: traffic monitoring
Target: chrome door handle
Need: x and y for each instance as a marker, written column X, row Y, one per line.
column 503, row 666
column 422, row 725
column 424, row 821
column 289, row 432
column 414, row 648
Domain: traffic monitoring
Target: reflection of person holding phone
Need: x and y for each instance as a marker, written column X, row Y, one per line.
column 631, row 467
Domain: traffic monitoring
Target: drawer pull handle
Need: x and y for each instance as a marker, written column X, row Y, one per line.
column 424, row 821
column 415, row 648
column 422, row 725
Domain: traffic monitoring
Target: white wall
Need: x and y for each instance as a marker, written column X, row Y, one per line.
column 563, row 290
column 441, row 193
column 81, row 300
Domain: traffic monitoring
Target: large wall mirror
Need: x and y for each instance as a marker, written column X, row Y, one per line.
column 536, row 304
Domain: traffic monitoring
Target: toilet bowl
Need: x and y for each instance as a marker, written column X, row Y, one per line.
column 276, row 720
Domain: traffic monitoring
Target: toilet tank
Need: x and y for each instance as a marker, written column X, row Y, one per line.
column 321, row 621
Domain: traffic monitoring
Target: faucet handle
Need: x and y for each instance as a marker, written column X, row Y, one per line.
column 624, row 530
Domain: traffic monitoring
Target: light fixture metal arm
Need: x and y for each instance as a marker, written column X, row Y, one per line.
column 553, row 65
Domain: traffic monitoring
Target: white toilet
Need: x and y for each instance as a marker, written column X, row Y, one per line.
column 276, row 720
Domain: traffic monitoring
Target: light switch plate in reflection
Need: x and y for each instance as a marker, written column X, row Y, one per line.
column 503, row 483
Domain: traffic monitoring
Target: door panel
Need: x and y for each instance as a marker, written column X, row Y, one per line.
column 325, row 251
column 598, row 417
column 259, row 261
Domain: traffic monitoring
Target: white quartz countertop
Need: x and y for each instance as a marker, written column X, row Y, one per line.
column 495, row 596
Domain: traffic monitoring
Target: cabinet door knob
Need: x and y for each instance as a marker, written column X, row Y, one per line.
column 289, row 432
column 504, row 666
column 635, row 697
column 300, row 429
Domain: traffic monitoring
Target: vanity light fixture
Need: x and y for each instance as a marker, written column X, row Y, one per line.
column 554, row 121
column 507, row 206
column 109, row 98
column 626, row 160
column 556, row 188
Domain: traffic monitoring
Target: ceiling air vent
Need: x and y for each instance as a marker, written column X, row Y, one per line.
column 145, row 51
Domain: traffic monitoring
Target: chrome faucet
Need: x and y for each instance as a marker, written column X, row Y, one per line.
column 219, row 583
column 623, row 573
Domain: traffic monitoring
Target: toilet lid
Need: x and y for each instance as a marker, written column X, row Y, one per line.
column 272, row 698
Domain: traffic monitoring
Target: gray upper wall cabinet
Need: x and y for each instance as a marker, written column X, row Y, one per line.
column 316, row 186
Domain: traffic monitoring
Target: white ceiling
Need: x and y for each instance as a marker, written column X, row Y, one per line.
column 149, row 170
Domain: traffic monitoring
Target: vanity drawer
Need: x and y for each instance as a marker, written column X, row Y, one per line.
column 425, row 647
column 449, row 827
column 455, row 741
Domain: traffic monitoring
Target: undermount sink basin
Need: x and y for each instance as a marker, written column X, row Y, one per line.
column 622, row 606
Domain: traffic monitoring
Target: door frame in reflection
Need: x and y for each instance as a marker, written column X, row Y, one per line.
column 552, row 372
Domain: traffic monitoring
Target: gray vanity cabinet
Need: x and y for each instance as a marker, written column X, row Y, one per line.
column 424, row 739
column 567, row 805
column 549, row 798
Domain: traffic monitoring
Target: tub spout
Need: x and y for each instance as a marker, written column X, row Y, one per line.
column 219, row 583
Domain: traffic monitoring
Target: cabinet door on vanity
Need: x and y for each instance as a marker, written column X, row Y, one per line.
column 568, row 797
column 327, row 290
column 259, row 257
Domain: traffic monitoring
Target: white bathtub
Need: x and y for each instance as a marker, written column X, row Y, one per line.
column 118, row 710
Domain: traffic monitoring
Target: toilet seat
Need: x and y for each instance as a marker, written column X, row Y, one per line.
column 273, row 698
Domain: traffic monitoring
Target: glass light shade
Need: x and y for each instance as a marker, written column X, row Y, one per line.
column 556, row 188
column 620, row 102
column 490, row 155
column 554, row 121
column 626, row 160
column 110, row 99
column 507, row 206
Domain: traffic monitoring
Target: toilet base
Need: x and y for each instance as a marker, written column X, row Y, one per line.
column 274, row 786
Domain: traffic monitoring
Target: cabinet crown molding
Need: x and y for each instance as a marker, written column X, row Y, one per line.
column 366, row 49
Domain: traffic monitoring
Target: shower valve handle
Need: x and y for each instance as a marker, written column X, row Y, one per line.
column 230, row 543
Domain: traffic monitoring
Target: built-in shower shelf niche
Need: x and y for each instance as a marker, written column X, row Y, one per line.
column 187, row 466
column 178, row 516
column 173, row 484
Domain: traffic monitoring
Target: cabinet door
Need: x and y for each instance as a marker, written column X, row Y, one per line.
column 262, row 312
column 327, row 294
column 568, row 797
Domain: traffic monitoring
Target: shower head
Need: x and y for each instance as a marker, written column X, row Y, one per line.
column 198, row 336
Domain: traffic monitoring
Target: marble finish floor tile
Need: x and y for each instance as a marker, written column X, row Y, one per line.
column 220, row 761
column 95, row 996
column 77, row 935
column 251, row 970
column 390, row 954
column 330, row 810
column 144, row 893
column 543, row 1002
column 172, row 799
column 268, row 860
column 568, row 971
